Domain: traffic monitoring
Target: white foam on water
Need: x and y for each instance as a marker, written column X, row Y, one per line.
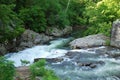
column 82, row 50
column 104, row 72
column 42, row 51
column 88, row 50
column 107, row 71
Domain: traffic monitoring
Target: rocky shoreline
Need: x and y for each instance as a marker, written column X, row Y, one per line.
column 30, row 38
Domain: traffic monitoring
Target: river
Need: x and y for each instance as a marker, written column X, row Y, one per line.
column 98, row 63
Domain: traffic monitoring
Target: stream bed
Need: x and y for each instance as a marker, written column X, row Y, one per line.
column 98, row 63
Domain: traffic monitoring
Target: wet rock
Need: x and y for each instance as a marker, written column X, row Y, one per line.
column 81, row 60
column 89, row 41
column 115, row 34
column 113, row 54
column 71, row 54
column 51, row 60
column 76, row 56
column 37, row 59
column 54, row 60
column 84, row 64
column 91, row 64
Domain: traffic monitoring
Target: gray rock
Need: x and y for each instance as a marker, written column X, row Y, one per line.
column 89, row 41
column 27, row 40
column 67, row 30
column 115, row 35
column 54, row 31
column 34, row 37
column 30, row 38
column 38, row 78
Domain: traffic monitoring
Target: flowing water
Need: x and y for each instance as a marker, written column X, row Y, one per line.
column 99, row 63
column 42, row 51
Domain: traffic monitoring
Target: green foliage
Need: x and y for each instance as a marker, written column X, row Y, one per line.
column 24, row 62
column 33, row 18
column 108, row 42
column 43, row 14
column 54, row 13
column 99, row 28
column 7, row 69
column 100, row 16
column 38, row 69
column 10, row 24
column 75, row 12
column 50, row 75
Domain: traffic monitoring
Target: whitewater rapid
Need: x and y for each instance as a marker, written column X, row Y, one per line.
column 41, row 51
column 103, row 63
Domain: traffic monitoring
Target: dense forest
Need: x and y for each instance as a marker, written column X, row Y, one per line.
column 92, row 17
column 95, row 15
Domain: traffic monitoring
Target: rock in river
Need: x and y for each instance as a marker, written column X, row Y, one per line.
column 89, row 41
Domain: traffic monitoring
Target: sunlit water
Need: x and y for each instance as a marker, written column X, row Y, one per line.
column 100, row 63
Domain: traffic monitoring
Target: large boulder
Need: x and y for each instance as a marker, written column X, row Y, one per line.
column 56, row 32
column 89, row 41
column 30, row 38
column 115, row 35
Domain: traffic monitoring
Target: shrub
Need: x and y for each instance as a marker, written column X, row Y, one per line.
column 104, row 28
column 7, row 69
column 100, row 16
column 24, row 62
column 38, row 69
column 108, row 42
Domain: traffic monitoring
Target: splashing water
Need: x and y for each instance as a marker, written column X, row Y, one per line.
column 87, row 64
column 81, row 64
column 42, row 51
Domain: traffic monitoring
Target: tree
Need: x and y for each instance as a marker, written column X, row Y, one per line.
column 105, row 12
column 10, row 24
